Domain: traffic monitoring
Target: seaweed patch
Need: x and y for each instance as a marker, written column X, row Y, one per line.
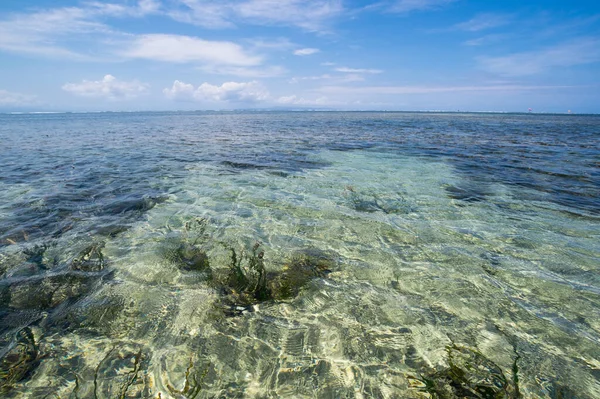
column 469, row 374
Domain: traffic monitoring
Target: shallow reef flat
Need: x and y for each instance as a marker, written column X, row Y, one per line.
column 380, row 271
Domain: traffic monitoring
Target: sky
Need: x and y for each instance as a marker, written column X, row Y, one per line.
column 413, row 55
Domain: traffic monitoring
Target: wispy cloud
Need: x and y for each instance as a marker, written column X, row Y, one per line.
column 109, row 87
column 311, row 15
column 483, row 22
column 405, row 6
column 142, row 8
column 245, row 72
column 331, row 79
column 181, row 49
column 484, row 40
column 358, row 70
column 273, row 43
column 390, row 90
column 11, row 99
column 582, row 51
column 306, row 51
column 236, row 92
column 48, row 33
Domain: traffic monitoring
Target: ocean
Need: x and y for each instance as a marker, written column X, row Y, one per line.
column 299, row 254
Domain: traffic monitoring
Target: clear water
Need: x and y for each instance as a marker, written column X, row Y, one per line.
column 451, row 236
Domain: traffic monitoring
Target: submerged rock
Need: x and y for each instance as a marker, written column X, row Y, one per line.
column 242, row 280
column 18, row 360
column 302, row 268
column 469, row 375
column 91, row 259
column 48, row 291
column 367, row 201
column 35, row 255
column 135, row 205
column 123, row 373
column 467, row 193
column 190, row 257
column 247, row 282
column 186, row 250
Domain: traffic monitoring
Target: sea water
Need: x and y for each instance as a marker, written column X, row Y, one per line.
column 462, row 250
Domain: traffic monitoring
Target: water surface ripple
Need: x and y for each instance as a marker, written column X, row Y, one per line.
column 281, row 254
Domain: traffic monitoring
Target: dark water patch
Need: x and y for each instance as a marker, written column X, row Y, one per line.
column 110, row 230
column 134, row 205
column 467, row 192
column 279, row 173
column 370, row 201
column 244, row 165
column 351, row 146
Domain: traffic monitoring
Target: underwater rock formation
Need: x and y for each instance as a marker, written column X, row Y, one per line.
column 19, row 359
column 123, row 373
column 243, row 280
column 367, row 201
column 186, row 250
column 47, row 288
column 467, row 193
column 189, row 257
column 246, row 281
column 303, row 267
column 469, row 375
column 91, row 259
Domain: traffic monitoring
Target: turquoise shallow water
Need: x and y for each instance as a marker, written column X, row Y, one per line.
column 446, row 255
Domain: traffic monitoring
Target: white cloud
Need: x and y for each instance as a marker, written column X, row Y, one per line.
column 180, row 91
column 295, row 100
column 583, row 51
column 176, row 48
column 12, row 99
column 483, row 21
column 358, row 70
column 404, row 6
column 306, row 51
column 109, row 87
column 244, row 92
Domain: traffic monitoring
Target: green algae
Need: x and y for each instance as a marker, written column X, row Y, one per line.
column 370, row 201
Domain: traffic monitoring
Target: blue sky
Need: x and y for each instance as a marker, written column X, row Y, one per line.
column 71, row 55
